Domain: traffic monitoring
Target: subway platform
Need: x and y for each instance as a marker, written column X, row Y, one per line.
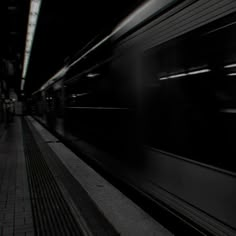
column 45, row 189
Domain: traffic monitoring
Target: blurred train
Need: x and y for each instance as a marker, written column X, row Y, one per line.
column 154, row 103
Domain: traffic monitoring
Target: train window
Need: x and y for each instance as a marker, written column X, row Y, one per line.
column 191, row 110
column 94, row 88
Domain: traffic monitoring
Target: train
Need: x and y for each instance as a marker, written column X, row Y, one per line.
column 153, row 102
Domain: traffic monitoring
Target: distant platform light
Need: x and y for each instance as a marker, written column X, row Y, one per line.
column 32, row 23
column 22, row 84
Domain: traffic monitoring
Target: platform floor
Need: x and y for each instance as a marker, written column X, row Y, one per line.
column 15, row 203
column 45, row 189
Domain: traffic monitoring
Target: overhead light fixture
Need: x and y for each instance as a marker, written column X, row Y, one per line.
column 232, row 74
column 32, row 23
column 22, row 84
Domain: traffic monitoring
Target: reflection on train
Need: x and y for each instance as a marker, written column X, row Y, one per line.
column 154, row 103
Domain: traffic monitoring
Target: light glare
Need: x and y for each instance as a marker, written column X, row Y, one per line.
column 232, row 74
column 198, row 72
column 230, row 66
column 163, row 78
column 185, row 74
column 177, row 75
column 92, row 75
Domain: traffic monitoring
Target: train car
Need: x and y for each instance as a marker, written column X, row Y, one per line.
column 154, row 104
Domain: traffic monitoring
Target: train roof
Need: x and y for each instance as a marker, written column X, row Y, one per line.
column 144, row 12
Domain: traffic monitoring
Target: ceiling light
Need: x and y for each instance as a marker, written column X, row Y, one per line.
column 34, row 8
column 32, row 22
column 26, row 62
column 22, row 84
column 232, row 74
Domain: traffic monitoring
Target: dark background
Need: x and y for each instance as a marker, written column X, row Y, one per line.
column 64, row 27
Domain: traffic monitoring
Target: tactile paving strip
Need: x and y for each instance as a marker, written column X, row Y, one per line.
column 96, row 223
column 51, row 213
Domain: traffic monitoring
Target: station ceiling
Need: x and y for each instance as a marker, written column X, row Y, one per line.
column 64, row 27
